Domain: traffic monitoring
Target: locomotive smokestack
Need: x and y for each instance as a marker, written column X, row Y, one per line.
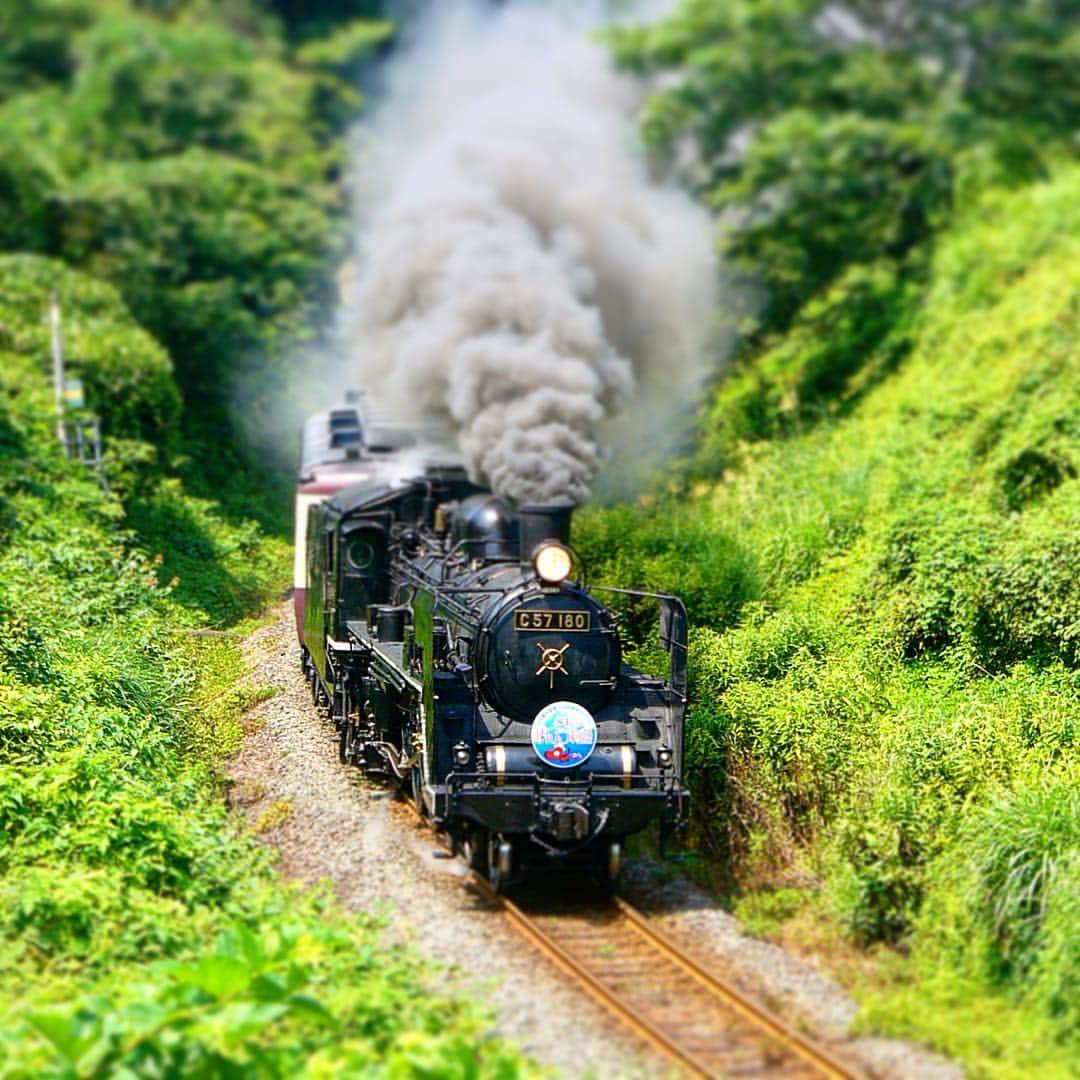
column 538, row 523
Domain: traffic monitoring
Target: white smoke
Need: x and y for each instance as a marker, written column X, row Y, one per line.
column 521, row 276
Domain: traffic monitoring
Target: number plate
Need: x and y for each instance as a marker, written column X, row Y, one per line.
column 566, row 622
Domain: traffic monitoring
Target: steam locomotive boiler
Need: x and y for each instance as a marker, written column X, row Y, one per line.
column 457, row 650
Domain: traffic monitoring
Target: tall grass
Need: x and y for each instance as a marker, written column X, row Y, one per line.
column 886, row 608
column 142, row 933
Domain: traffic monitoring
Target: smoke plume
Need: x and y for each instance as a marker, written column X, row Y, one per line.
column 521, row 277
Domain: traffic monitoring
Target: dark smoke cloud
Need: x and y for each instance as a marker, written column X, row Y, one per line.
column 522, row 279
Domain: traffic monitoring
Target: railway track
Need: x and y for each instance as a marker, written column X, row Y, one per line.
column 706, row 1026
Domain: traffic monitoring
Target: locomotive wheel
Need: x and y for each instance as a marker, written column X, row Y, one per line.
column 346, row 742
column 612, row 866
column 500, row 862
column 474, row 847
column 416, row 789
column 606, row 866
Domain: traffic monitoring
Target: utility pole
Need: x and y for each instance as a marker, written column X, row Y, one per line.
column 57, row 366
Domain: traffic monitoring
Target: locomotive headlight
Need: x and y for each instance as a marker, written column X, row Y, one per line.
column 553, row 563
column 462, row 755
column 664, row 757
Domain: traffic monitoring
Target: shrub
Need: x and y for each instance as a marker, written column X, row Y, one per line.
column 215, row 256
column 140, row 929
column 36, row 39
column 126, row 373
column 883, row 712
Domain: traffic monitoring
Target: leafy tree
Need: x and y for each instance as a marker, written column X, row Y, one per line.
column 145, row 90
column 37, row 41
column 25, row 181
column 834, row 140
column 830, row 134
column 816, row 195
column 216, row 256
column 182, row 156
column 126, row 373
column 313, row 18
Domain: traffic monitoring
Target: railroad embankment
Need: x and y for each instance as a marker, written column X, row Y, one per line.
column 884, row 583
column 142, row 932
column 874, row 526
column 330, row 824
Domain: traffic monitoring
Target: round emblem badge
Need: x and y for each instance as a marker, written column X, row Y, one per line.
column 563, row 734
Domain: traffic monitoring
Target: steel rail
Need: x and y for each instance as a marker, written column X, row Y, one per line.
column 729, row 997
column 608, row 998
column 768, row 1024
column 762, row 1017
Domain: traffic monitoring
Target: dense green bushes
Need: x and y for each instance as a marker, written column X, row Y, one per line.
column 126, row 373
column 184, row 155
column 182, row 162
column 140, row 930
column 834, row 144
column 885, row 492
column 888, row 604
column 214, row 256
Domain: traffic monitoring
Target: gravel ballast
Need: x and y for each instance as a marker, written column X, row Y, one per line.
column 328, row 823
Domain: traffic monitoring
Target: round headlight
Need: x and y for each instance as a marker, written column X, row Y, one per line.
column 553, row 563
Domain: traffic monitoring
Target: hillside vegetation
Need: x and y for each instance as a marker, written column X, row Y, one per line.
column 874, row 522
column 142, row 933
column 145, row 180
column 876, row 533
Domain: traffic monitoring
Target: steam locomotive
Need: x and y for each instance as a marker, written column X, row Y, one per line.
column 451, row 638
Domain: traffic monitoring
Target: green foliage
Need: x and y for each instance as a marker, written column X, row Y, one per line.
column 25, row 180
column 835, row 143
column 215, row 255
column 37, row 41
column 337, row 61
column 839, row 345
column 178, row 151
column 126, row 374
column 886, row 703
column 345, row 49
column 307, row 19
column 214, row 566
column 144, row 89
column 820, row 196
column 211, row 1016
column 1023, row 858
column 148, row 90
column 140, row 931
column 176, row 155
column 701, row 562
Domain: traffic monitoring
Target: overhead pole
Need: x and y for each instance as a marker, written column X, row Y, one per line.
column 58, row 366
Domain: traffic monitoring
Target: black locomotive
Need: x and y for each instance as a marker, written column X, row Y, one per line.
column 444, row 630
